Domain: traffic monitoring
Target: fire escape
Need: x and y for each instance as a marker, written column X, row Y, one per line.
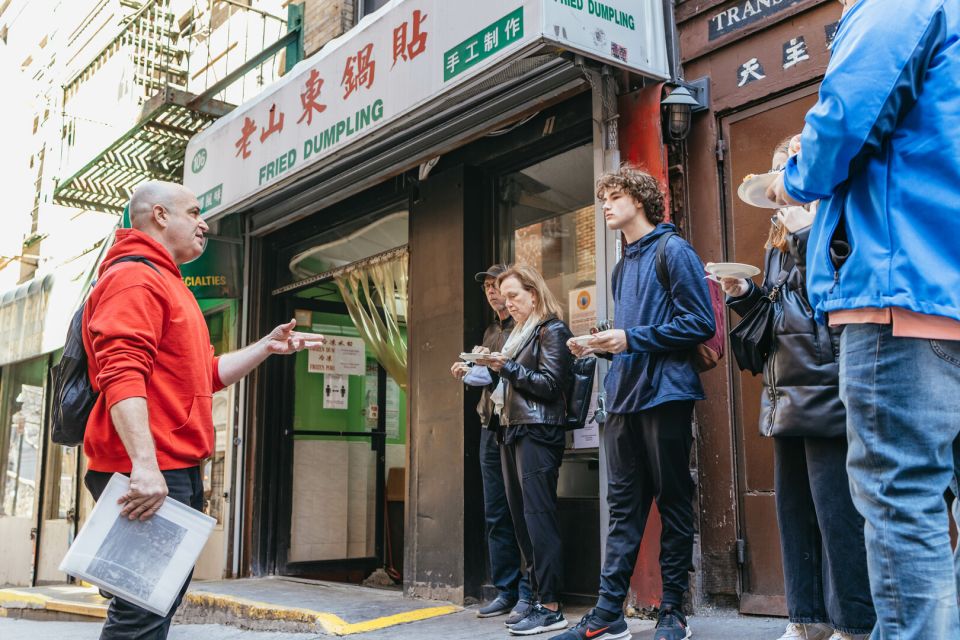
column 173, row 75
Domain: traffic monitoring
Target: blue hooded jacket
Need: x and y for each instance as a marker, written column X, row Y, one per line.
column 662, row 328
column 881, row 150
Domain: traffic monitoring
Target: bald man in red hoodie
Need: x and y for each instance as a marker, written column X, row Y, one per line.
column 151, row 360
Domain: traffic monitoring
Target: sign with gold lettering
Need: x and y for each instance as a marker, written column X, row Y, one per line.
column 216, row 273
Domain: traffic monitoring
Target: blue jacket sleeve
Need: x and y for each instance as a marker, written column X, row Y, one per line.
column 878, row 62
column 692, row 320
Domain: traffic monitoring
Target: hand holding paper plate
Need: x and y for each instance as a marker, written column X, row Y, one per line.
column 719, row 270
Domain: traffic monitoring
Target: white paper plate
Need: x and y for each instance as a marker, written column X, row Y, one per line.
column 754, row 190
column 472, row 357
column 719, row 270
column 582, row 340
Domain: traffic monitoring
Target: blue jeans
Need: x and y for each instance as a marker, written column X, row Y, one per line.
column 501, row 538
column 821, row 535
column 903, row 422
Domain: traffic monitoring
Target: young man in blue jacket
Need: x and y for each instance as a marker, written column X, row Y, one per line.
column 880, row 150
column 650, row 389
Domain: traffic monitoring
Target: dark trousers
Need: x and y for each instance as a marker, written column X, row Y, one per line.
column 821, row 535
column 502, row 546
column 648, row 458
column 127, row 621
column 530, row 472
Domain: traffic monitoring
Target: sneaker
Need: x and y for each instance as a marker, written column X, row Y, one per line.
column 539, row 620
column 593, row 627
column 520, row 611
column 499, row 606
column 797, row 631
column 840, row 635
column 671, row 625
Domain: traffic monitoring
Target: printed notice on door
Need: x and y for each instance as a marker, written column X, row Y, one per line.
column 341, row 355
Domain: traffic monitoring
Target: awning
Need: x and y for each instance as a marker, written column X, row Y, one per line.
column 34, row 316
column 152, row 150
column 412, row 79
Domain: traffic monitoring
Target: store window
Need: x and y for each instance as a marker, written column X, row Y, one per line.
column 549, row 213
column 21, row 417
column 219, row 324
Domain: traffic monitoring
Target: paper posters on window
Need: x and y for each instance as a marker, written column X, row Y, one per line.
column 336, row 391
column 589, row 436
column 583, row 309
column 341, row 355
column 370, row 397
column 393, row 408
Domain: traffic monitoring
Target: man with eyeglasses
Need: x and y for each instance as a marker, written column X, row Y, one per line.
column 880, row 151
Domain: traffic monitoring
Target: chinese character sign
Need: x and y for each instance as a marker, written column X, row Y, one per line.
column 341, row 355
column 398, row 61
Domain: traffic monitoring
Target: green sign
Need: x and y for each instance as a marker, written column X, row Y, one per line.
column 483, row 44
column 216, row 273
column 199, row 160
column 211, row 198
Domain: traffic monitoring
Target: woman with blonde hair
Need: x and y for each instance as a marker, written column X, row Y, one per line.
column 534, row 368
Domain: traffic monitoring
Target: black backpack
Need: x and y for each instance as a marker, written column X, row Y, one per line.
column 73, row 395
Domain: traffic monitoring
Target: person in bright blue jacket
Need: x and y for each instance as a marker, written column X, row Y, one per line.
column 881, row 150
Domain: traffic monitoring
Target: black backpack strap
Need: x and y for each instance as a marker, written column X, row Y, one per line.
column 615, row 277
column 663, row 273
column 139, row 259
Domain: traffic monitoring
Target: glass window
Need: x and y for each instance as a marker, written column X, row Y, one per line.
column 219, row 319
column 549, row 210
column 21, row 418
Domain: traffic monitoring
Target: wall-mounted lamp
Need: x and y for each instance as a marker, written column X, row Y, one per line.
column 678, row 107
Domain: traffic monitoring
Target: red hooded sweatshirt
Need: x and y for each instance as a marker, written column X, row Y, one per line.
column 145, row 337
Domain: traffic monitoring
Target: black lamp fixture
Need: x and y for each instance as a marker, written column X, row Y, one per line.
column 685, row 98
column 677, row 109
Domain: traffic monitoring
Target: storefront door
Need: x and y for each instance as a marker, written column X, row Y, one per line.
column 751, row 137
column 548, row 215
column 341, row 417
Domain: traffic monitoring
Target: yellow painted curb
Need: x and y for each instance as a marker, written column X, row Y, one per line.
column 79, row 608
column 330, row 622
column 12, row 596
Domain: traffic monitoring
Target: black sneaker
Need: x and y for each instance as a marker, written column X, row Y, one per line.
column 499, row 606
column 539, row 620
column 520, row 611
column 593, row 627
column 671, row 625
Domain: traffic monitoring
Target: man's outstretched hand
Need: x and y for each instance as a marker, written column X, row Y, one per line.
column 284, row 340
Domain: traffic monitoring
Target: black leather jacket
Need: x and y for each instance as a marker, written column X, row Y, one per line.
column 537, row 379
column 801, row 393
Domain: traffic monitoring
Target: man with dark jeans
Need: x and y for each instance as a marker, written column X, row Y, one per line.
column 150, row 360
column 650, row 388
column 513, row 588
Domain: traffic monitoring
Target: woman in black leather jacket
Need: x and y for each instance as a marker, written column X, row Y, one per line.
column 821, row 533
column 534, row 368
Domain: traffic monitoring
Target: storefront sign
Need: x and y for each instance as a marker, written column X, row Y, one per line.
column 342, row 355
column 743, row 14
column 216, row 273
column 397, row 60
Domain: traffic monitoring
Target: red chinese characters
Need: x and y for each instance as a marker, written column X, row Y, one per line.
column 275, row 125
column 408, row 47
column 309, row 97
column 359, row 71
column 243, row 144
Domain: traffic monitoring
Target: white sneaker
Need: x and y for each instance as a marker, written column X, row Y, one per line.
column 797, row 631
column 840, row 635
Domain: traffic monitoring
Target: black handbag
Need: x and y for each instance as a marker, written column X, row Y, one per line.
column 578, row 395
column 752, row 338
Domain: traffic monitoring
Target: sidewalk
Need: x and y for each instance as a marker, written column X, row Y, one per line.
column 288, row 605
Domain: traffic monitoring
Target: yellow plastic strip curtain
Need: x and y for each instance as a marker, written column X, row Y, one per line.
column 376, row 297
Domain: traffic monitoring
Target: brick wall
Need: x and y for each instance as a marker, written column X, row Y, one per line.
column 324, row 20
